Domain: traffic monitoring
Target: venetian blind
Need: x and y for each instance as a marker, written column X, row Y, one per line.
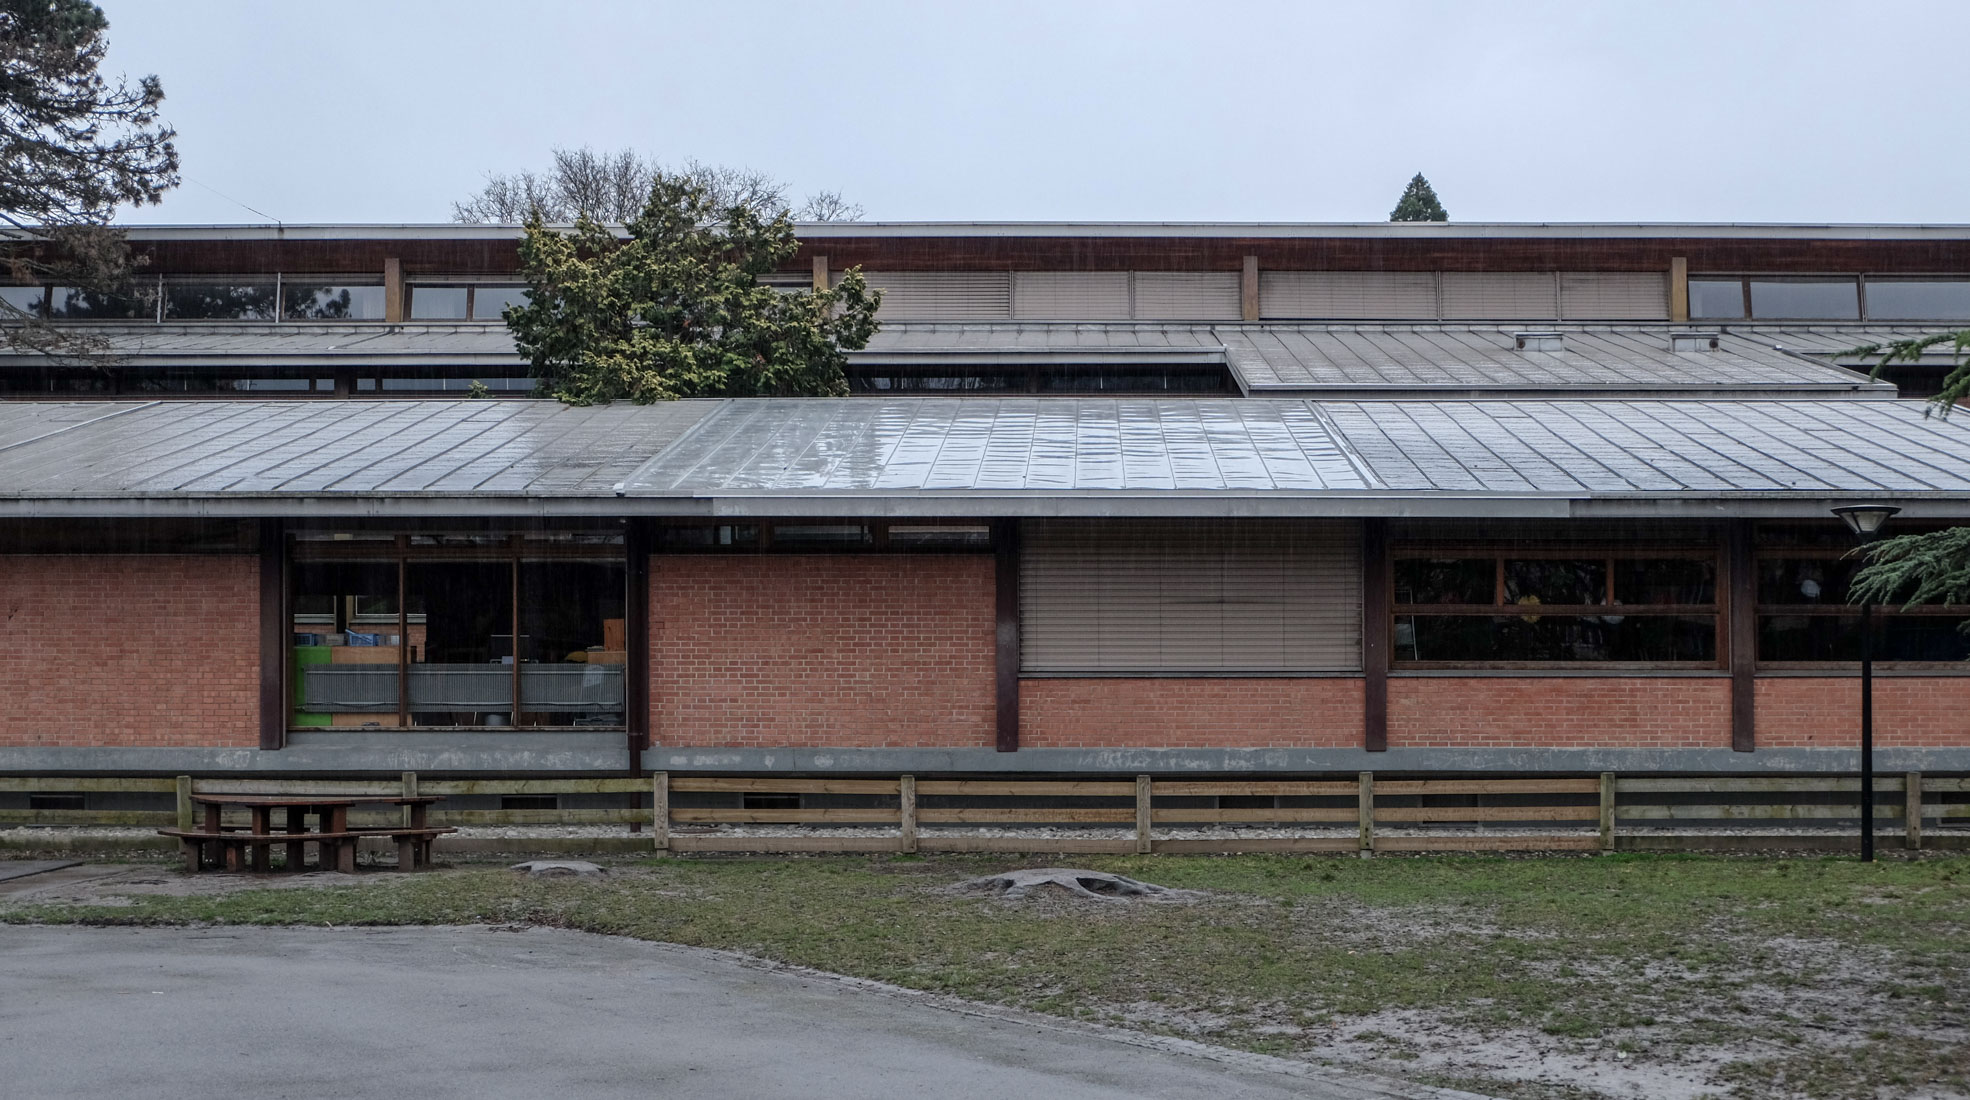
column 943, row 295
column 1500, row 295
column 1614, row 296
column 1071, row 295
column 1347, row 295
column 1186, row 296
column 1158, row 596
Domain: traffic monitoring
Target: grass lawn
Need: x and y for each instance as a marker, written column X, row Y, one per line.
column 1550, row 977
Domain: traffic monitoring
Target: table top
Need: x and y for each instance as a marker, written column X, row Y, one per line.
column 278, row 800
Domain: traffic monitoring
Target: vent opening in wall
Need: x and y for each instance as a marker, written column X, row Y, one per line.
column 1539, row 341
column 1693, row 341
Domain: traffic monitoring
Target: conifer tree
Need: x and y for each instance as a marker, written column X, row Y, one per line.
column 1418, row 203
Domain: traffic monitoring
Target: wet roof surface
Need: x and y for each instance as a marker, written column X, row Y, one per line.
column 1039, row 447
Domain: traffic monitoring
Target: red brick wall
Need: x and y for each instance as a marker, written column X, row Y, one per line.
column 822, row 650
column 129, row 649
column 1559, row 712
column 1180, row 713
column 1823, row 713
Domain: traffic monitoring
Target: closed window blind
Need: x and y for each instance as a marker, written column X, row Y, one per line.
column 1186, row 296
column 1157, row 596
column 943, row 296
column 1500, row 295
column 1071, row 295
column 1347, row 295
column 1614, row 296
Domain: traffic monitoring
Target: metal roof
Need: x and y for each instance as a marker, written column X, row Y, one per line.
column 1355, row 359
column 979, row 456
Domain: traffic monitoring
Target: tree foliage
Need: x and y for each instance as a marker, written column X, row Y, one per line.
column 1418, row 203
column 1931, row 566
column 612, row 187
column 675, row 307
column 74, row 146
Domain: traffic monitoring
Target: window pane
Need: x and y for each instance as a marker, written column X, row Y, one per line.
column 219, row 301
column 1805, row 580
column 1565, row 581
column 1826, row 301
column 573, row 643
column 1938, row 299
column 75, row 304
column 333, row 303
column 1665, row 580
column 977, row 537
column 1838, row 638
column 818, row 536
column 27, row 299
column 463, row 674
column 1446, row 580
column 1473, row 639
column 488, row 301
column 437, row 303
column 344, row 670
column 1716, row 299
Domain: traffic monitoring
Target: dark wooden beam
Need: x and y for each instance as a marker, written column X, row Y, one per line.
column 1741, row 623
column 1375, row 626
column 273, row 635
column 1005, row 549
column 636, row 638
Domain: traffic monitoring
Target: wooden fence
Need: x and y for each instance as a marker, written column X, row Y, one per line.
column 1362, row 814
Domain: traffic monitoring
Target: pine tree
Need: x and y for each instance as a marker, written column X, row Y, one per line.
column 1418, row 203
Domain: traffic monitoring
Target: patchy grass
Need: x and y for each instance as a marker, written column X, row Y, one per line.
column 1539, row 978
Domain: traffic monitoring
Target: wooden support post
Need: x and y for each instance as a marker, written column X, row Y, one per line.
column 1367, row 800
column 410, row 791
column 1741, row 625
column 185, row 819
column 1142, row 815
column 1248, row 290
column 1375, row 628
column 820, row 273
column 906, row 812
column 1679, row 288
column 660, row 805
column 393, row 290
column 1912, row 811
column 1005, row 544
column 1607, row 811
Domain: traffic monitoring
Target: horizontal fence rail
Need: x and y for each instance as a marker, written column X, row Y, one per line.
column 1147, row 814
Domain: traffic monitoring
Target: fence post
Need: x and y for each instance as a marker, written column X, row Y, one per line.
column 1142, row 815
column 410, row 791
column 1607, row 811
column 185, row 819
column 906, row 810
column 1912, row 810
column 660, row 810
column 1367, row 799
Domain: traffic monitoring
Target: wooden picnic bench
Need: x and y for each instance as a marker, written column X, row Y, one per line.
column 251, row 848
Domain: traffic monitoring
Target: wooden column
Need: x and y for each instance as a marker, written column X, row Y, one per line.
column 274, row 633
column 1248, row 290
column 393, row 290
column 820, row 273
column 1375, row 628
column 1679, row 288
column 1741, row 626
column 1005, row 549
column 636, row 638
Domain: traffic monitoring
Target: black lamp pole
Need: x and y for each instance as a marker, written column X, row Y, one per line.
column 1865, row 521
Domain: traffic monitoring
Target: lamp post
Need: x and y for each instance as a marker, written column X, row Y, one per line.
column 1865, row 521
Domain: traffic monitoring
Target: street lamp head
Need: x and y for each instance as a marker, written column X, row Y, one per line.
column 1865, row 520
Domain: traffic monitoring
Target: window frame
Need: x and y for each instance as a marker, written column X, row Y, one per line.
column 1770, row 550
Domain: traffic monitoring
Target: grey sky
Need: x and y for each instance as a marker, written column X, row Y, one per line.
column 1209, row 110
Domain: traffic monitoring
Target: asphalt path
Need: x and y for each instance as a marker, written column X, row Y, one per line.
column 488, row 1013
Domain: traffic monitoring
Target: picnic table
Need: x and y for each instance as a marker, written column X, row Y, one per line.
column 233, row 848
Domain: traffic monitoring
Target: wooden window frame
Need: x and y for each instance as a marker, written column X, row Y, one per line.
column 1716, row 610
column 1764, row 610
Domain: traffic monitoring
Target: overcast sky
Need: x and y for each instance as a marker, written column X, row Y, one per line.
column 1201, row 110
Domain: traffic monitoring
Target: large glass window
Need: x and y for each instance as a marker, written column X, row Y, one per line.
column 1805, row 299
column 459, row 631
column 68, row 303
column 1716, row 299
column 305, row 301
column 490, row 302
column 1918, row 300
column 1805, row 617
column 438, row 303
column 27, row 299
column 232, row 301
column 1556, row 608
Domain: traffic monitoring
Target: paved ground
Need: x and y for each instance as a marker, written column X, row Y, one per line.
column 486, row 1013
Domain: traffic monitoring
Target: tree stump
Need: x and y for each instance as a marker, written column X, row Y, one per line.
column 1077, row 882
